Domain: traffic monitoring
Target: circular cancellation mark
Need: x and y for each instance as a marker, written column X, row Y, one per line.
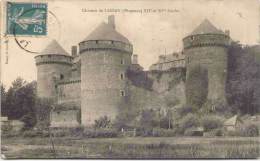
column 28, row 44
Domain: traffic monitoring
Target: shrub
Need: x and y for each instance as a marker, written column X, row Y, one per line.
column 144, row 132
column 100, row 133
column 188, row 121
column 69, row 132
column 102, row 122
column 192, row 132
column 184, row 110
column 31, row 133
column 164, row 132
column 211, row 122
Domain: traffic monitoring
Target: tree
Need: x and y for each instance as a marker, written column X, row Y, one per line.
column 4, row 110
column 243, row 90
column 102, row 122
column 20, row 102
column 148, row 119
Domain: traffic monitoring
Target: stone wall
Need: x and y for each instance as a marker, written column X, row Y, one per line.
column 214, row 60
column 69, row 92
column 103, row 85
column 48, row 75
column 170, row 85
column 65, row 118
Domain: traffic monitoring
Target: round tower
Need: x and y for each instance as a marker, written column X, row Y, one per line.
column 53, row 65
column 105, row 57
column 205, row 52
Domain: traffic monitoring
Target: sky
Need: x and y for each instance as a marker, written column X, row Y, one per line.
column 151, row 33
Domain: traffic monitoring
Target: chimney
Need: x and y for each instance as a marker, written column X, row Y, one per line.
column 135, row 59
column 111, row 21
column 74, row 51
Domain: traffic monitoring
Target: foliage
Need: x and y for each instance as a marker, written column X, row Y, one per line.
column 18, row 102
column 43, row 108
column 188, row 121
column 127, row 114
column 139, row 79
column 148, row 119
column 192, row 132
column 243, row 85
column 102, row 122
column 197, row 86
column 211, row 122
column 164, row 132
column 184, row 110
column 100, row 133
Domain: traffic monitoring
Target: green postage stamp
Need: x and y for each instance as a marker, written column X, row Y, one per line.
column 26, row 18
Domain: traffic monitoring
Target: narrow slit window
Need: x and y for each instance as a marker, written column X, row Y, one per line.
column 122, row 93
column 122, row 76
column 122, row 61
column 61, row 77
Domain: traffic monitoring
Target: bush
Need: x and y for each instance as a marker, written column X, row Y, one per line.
column 144, row 132
column 188, row 121
column 100, row 133
column 31, row 133
column 102, row 122
column 184, row 110
column 211, row 122
column 164, row 132
column 69, row 132
column 192, row 132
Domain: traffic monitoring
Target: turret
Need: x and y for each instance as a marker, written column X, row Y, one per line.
column 205, row 52
column 53, row 64
column 105, row 57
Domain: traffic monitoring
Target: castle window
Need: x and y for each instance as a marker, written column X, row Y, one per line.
column 122, row 93
column 192, row 38
column 61, row 77
column 96, row 41
column 122, row 76
column 122, row 61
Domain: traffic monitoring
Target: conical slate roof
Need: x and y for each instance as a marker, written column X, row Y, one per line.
column 106, row 32
column 206, row 27
column 54, row 48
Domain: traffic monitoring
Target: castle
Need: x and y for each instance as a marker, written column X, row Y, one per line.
column 95, row 81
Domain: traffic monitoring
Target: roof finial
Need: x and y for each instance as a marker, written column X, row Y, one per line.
column 111, row 21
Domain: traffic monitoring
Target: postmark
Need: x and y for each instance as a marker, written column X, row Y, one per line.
column 26, row 19
column 42, row 28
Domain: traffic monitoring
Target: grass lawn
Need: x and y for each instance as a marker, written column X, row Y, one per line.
column 132, row 147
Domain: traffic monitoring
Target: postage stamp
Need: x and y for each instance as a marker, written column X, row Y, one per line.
column 26, row 18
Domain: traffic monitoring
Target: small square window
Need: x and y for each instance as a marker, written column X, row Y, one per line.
column 122, row 93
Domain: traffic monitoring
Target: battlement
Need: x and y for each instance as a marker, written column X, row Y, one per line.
column 209, row 39
column 105, row 45
column 53, row 59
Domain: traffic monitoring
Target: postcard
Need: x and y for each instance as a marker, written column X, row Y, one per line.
column 131, row 79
